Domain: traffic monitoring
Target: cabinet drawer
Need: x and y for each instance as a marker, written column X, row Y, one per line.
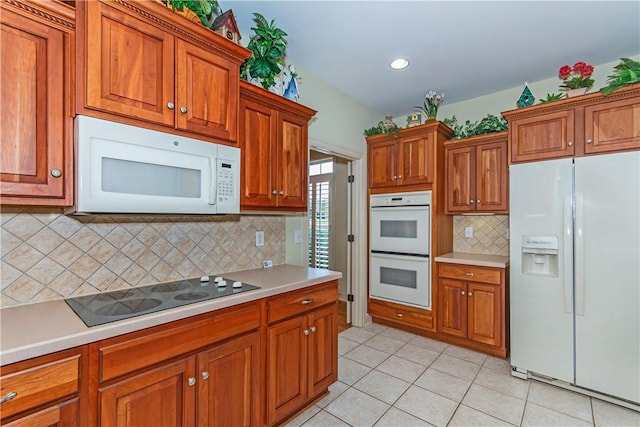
column 410, row 316
column 119, row 356
column 40, row 384
column 298, row 302
column 470, row 273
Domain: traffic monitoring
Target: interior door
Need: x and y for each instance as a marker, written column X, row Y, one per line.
column 607, row 284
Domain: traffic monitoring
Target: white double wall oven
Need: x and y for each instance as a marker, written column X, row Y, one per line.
column 400, row 248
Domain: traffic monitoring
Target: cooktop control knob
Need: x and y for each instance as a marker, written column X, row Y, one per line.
column 217, row 279
column 204, row 279
column 221, row 283
column 237, row 284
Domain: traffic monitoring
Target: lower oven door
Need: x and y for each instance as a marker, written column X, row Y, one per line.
column 403, row 279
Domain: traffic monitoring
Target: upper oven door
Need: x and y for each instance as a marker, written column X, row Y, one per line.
column 400, row 229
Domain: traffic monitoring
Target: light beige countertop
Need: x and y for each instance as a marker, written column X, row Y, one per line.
column 33, row 330
column 481, row 260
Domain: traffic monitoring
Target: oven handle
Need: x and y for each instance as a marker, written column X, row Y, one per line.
column 398, row 254
column 400, row 207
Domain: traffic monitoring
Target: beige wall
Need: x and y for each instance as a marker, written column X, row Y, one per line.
column 48, row 256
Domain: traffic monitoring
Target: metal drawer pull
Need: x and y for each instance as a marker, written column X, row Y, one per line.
column 468, row 274
column 313, row 329
column 589, row 141
column 56, row 173
column 306, row 332
column 191, row 381
column 9, row 396
column 570, row 143
column 205, row 375
column 307, row 301
column 399, row 314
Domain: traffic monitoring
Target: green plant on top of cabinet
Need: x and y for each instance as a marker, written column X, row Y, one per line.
column 477, row 174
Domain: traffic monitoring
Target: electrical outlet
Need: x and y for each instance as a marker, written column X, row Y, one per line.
column 267, row 263
column 468, row 232
column 259, row 238
column 297, row 237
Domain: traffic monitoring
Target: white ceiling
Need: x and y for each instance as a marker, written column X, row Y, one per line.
column 462, row 48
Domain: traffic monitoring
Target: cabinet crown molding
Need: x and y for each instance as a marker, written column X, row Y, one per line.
column 57, row 13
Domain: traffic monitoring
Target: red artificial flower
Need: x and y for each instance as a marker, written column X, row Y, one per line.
column 579, row 66
column 587, row 70
column 565, row 71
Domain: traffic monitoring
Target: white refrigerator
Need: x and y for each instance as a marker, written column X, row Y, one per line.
column 575, row 272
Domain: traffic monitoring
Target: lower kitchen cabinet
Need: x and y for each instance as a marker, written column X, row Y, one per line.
column 302, row 350
column 471, row 307
column 400, row 315
column 44, row 391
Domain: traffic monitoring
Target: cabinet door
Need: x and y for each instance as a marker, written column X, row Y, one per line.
column 161, row 397
column 36, row 129
column 293, row 160
column 491, row 177
column 612, row 126
column 287, row 361
column 63, row 414
column 129, row 65
column 543, row 137
column 382, row 164
column 485, row 318
column 323, row 349
column 207, row 93
column 257, row 136
column 416, row 160
column 229, row 383
column 452, row 307
column 460, row 169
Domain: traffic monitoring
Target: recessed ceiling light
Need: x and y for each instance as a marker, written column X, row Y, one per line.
column 399, row 64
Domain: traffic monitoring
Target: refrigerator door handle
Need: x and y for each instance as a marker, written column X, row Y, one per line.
column 567, row 246
column 579, row 253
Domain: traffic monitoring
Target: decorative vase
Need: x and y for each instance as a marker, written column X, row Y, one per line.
column 577, row 92
column 431, row 119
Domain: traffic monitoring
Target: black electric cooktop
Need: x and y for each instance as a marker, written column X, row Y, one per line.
column 123, row 304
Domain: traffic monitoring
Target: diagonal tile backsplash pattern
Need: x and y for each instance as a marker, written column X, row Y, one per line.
column 47, row 255
column 489, row 234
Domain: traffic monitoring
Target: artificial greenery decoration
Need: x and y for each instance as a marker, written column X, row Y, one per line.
column 269, row 47
column 626, row 73
column 488, row 124
column 553, row 97
column 390, row 131
column 207, row 10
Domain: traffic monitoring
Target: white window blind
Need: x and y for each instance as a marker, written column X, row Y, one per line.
column 319, row 216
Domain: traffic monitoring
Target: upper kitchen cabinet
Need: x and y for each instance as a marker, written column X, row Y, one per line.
column 273, row 141
column 477, row 174
column 36, row 166
column 148, row 66
column 584, row 125
column 406, row 161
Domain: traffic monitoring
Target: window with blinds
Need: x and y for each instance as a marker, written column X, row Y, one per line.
column 320, row 176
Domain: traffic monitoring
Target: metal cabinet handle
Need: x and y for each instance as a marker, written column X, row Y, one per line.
column 395, row 177
column 191, row 381
column 9, row 396
column 205, row 375
column 468, row 274
column 471, row 201
column 470, row 293
column 274, row 192
column 183, row 110
column 399, row 314
column 282, row 192
column 313, row 329
column 589, row 141
column 56, row 173
column 307, row 301
column 570, row 143
column 171, row 105
column 478, row 201
column 399, row 176
column 462, row 293
column 306, row 332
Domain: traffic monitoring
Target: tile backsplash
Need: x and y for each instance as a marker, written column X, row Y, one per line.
column 47, row 255
column 490, row 234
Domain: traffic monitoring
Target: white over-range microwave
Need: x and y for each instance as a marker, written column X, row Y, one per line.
column 127, row 169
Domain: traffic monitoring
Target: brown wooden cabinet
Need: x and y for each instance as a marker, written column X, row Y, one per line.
column 165, row 71
column 477, row 174
column 471, row 306
column 44, row 390
column 588, row 124
column 302, row 352
column 36, row 166
column 203, row 370
column 273, row 140
column 407, row 161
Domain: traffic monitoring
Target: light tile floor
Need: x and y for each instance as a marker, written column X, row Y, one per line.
column 388, row 377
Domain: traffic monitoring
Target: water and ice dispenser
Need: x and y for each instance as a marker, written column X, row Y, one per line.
column 540, row 255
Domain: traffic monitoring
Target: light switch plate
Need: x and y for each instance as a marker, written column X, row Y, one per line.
column 259, row 238
column 468, row 232
column 297, row 237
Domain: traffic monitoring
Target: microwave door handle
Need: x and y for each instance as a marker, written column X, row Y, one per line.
column 213, row 189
